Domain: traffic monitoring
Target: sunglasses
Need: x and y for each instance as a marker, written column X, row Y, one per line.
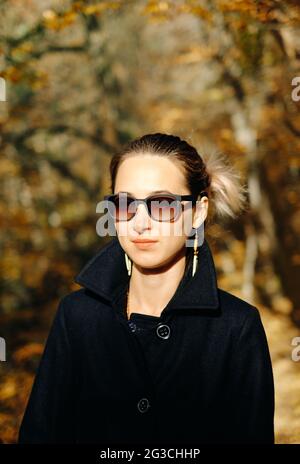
column 162, row 208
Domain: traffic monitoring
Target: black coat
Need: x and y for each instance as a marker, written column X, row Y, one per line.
column 209, row 378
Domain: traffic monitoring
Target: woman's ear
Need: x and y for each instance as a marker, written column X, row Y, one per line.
column 200, row 212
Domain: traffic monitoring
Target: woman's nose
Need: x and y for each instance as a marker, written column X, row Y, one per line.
column 141, row 218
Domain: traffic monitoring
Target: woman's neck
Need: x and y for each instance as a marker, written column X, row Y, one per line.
column 150, row 290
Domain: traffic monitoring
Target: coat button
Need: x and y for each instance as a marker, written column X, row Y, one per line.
column 143, row 405
column 132, row 326
column 163, row 331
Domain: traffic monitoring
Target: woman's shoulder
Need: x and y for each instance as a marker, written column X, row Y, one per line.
column 237, row 310
column 235, row 303
column 79, row 305
column 246, row 328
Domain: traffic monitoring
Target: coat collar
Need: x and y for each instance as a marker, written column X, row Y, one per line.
column 106, row 275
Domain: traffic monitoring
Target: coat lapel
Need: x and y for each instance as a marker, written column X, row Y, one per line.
column 106, row 275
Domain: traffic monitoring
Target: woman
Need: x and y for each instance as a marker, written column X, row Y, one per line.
column 150, row 350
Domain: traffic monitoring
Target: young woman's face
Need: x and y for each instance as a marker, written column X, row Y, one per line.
column 140, row 176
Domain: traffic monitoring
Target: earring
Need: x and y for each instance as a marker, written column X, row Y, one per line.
column 195, row 257
column 128, row 264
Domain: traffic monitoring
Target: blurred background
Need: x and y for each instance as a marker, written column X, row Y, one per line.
column 81, row 78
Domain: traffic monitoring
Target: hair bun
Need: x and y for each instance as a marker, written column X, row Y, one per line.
column 227, row 191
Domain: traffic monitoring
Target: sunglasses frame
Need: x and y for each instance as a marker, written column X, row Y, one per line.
column 149, row 198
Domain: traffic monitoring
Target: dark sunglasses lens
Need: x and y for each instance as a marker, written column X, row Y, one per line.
column 123, row 208
column 164, row 208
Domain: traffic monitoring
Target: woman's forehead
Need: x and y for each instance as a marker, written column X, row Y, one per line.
column 149, row 174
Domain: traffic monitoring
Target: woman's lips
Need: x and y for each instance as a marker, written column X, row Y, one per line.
column 144, row 244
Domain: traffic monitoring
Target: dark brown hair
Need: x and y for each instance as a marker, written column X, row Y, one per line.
column 212, row 172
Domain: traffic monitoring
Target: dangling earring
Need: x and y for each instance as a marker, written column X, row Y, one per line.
column 128, row 264
column 195, row 258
